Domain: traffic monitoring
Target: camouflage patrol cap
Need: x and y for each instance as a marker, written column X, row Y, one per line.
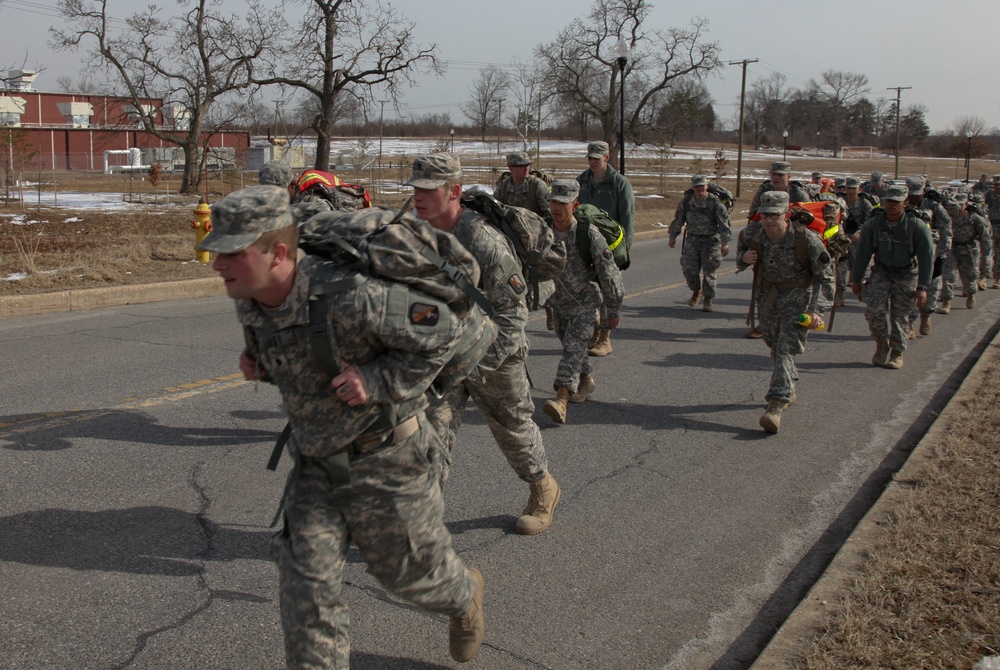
column 852, row 182
column 239, row 219
column 877, row 176
column 961, row 197
column 598, row 150
column 773, row 202
column 840, row 182
column 435, row 170
column 275, row 173
column 699, row 180
column 564, row 190
column 781, row 167
column 996, row 179
column 895, row 192
column 817, row 175
column 915, row 185
column 518, row 158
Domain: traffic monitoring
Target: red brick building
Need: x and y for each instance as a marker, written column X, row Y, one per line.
column 72, row 131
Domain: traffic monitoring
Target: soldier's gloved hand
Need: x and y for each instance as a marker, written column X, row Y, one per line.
column 672, row 242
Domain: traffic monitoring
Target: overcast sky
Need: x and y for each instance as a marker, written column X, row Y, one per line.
column 945, row 52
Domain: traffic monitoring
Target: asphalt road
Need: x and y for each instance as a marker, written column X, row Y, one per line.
column 135, row 506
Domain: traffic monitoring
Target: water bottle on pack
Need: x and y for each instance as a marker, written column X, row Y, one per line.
column 810, row 322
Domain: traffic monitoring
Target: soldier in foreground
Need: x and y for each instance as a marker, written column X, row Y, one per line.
column 390, row 503
column 706, row 240
column 903, row 249
column 579, row 290
column 794, row 276
column 603, row 186
column 501, row 389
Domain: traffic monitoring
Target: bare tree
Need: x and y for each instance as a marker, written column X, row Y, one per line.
column 970, row 125
column 840, row 90
column 191, row 61
column 527, row 109
column 84, row 85
column 485, row 93
column 347, row 47
column 581, row 63
column 684, row 108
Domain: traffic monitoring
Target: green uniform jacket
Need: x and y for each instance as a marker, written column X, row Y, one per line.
column 614, row 195
column 895, row 247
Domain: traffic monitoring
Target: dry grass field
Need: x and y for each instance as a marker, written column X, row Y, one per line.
column 929, row 594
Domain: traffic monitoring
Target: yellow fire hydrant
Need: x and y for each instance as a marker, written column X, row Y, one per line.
column 202, row 225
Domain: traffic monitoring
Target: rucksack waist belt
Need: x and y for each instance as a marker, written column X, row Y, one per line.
column 371, row 441
column 780, row 286
column 894, row 269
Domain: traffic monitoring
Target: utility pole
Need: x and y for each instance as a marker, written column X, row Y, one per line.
column 743, row 93
column 898, row 90
column 499, row 122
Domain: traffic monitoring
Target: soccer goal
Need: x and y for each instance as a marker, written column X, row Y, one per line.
column 858, row 152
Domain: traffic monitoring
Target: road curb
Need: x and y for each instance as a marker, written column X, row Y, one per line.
column 67, row 301
column 808, row 619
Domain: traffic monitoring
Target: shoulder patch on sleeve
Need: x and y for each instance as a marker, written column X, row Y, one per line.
column 607, row 254
column 424, row 314
column 517, row 284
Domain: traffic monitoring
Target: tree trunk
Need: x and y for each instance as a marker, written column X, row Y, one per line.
column 192, row 168
column 322, row 152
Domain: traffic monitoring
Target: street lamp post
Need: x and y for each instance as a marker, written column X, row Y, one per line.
column 499, row 121
column 621, row 55
column 784, row 145
column 452, row 140
column 968, row 156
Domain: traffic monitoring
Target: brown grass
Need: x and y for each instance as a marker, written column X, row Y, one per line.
column 928, row 595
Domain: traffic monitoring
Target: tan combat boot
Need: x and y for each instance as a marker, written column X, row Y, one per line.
column 912, row 335
column 925, row 323
column 754, row 333
column 981, row 283
column 707, row 305
column 770, row 421
column 465, row 633
column 603, row 346
column 537, row 515
column 945, row 308
column 996, row 283
column 970, row 302
column 695, row 297
column 881, row 351
column 556, row 409
column 586, row 386
column 895, row 361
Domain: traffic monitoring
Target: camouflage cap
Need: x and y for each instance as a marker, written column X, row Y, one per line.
column 781, row 167
column 839, row 182
column 435, row 170
column 275, row 173
column 773, row 202
column 699, row 180
column 518, row 158
column 239, row 219
column 877, row 176
column 852, row 182
column 896, row 192
column 996, row 179
column 564, row 190
column 961, row 197
column 915, row 185
column 598, row 150
column 977, row 197
column 817, row 175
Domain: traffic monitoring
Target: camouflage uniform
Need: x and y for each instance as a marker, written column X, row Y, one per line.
column 393, row 511
column 580, row 288
column 940, row 226
column 500, row 389
column 797, row 192
column 872, row 189
column 899, row 250
column 993, row 205
column 707, row 231
column 532, row 194
column 970, row 234
column 788, row 289
column 857, row 213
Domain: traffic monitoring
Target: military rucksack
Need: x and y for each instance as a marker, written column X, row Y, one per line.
column 326, row 186
column 542, row 256
column 393, row 246
column 613, row 233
